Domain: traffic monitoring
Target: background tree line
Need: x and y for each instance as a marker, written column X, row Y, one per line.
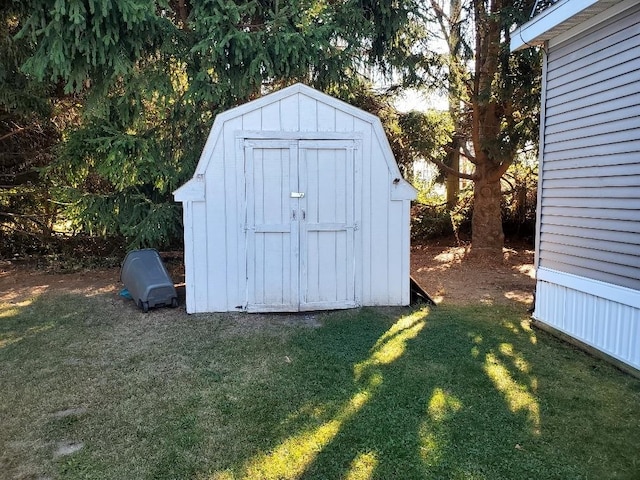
column 105, row 106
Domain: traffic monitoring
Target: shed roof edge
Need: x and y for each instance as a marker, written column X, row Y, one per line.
column 292, row 90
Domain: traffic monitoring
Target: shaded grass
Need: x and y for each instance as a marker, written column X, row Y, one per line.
column 458, row 392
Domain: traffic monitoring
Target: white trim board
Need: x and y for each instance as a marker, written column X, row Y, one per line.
column 541, row 143
column 593, row 21
column 564, row 17
column 297, row 135
column 615, row 293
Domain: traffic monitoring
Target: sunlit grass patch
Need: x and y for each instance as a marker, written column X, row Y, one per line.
column 442, row 404
column 392, row 345
column 293, row 456
column 362, row 467
column 95, row 389
column 7, row 338
column 517, row 395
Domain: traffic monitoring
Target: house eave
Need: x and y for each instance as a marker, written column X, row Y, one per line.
column 555, row 20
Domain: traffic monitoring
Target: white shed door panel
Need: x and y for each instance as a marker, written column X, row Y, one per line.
column 272, row 236
column 300, row 225
column 327, row 268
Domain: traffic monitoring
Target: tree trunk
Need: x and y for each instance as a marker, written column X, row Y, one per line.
column 453, row 181
column 486, row 221
column 455, row 87
column 487, row 236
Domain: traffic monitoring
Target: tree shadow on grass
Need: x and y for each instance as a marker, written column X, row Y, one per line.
column 453, row 393
column 438, row 414
column 457, row 392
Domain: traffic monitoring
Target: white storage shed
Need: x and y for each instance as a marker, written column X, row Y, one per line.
column 588, row 232
column 297, row 203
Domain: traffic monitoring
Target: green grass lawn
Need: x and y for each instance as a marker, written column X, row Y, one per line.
column 93, row 388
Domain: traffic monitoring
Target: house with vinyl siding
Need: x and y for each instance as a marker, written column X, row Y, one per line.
column 588, row 225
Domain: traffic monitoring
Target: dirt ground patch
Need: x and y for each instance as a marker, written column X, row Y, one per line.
column 445, row 271
column 19, row 283
column 450, row 276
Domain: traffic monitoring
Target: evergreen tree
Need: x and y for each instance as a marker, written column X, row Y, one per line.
column 493, row 101
column 152, row 75
column 27, row 134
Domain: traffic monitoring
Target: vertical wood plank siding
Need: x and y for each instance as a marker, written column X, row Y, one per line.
column 217, row 272
column 590, row 201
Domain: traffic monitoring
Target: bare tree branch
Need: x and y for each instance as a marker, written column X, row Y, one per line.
column 467, row 154
column 508, row 182
column 499, row 171
column 451, row 171
column 440, row 16
column 12, row 133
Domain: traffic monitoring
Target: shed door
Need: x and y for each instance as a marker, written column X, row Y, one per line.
column 300, row 225
column 327, row 260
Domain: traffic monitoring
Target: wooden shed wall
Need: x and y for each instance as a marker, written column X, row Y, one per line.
column 218, row 278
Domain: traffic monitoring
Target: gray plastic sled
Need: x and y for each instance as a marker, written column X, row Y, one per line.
column 147, row 280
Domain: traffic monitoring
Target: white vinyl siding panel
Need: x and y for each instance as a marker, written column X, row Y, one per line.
column 590, row 189
column 598, row 314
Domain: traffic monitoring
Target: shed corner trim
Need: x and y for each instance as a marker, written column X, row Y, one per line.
column 192, row 191
column 403, row 190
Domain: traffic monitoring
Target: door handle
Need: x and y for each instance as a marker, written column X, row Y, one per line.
column 297, row 194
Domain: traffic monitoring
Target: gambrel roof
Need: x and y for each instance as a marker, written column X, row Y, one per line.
column 194, row 188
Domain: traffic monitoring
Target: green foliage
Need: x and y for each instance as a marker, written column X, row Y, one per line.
column 134, row 87
column 520, row 188
column 435, row 219
column 461, row 214
column 429, row 221
column 428, row 134
column 511, row 98
column 493, row 96
column 428, row 193
column 151, row 76
column 27, row 134
column 517, row 96
column 82, row 41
